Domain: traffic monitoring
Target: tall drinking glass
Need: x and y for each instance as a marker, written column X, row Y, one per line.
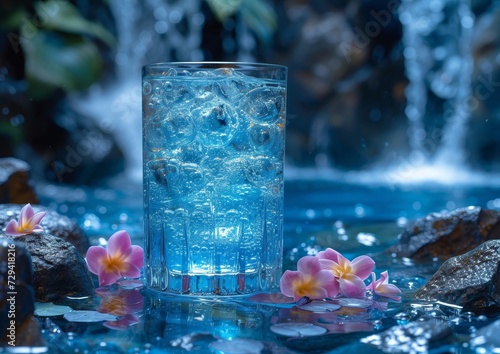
column 213, row 145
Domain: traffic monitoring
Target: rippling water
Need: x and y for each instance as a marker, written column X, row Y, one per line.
column 355, row 213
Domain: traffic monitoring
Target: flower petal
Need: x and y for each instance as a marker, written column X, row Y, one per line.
column 37, row 228
column 328, row 264
column 330, row 254
column 288, row 278
column 12, row 229
column 352, row 286
column 326, row 280
column 94, row 258
column 119, row 242
column 362, row 266
column 107, row 277
column 389, row 290
column 131, row 271
column 308, row 265
column 34, row 221
column 26, row 214
column 313, row 293
column 136, row 256
column 384, row 277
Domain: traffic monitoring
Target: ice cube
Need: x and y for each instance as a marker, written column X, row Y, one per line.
column 217, row 122
column 263, row 104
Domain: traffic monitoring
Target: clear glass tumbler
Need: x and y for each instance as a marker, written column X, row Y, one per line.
column 213, row 145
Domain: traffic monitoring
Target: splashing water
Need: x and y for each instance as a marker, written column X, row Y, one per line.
column 116, row 107
column 438, row 59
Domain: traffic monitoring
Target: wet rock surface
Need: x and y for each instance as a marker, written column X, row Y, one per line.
column 415, row 337
column 15, row 186
column 17, row 297
column 445, row 235
column 52, row 223
column 58, row 268
column 471, row 280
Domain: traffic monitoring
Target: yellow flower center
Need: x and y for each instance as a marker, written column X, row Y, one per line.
column 304, row 286
column 344, row 268
column 114, row 262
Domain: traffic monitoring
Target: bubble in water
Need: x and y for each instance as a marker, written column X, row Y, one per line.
column 146, row 88
column 170, row 72
column 265, row 137
column 178, row 128
column 191, row 179
column 262, row 170
column 263, row 104
column 217, row 123
column 165, row 172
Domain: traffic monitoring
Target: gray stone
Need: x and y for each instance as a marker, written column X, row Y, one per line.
column 59, row 270
column 53, row 223
column 449, row 234
column 15, row 185
column 471, row 280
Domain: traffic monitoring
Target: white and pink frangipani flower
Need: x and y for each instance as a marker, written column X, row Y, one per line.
column 382, row 287
column 120, row 259
column 350, row 275
column 28, row 222
column 309, row 280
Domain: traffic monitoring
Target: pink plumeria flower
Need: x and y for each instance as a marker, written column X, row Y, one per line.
column 28, row 222
column 309, row 280
column 120, row 259
column 382, row 287
column 349, row 275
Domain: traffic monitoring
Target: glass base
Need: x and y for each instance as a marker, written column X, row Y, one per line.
column 240, row 284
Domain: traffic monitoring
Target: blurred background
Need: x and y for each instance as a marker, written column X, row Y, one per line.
column 409, row 88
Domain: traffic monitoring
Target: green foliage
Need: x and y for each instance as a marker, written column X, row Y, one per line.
column 259, row 15
column 59, row 46
column 64, row 17
column 60, row 60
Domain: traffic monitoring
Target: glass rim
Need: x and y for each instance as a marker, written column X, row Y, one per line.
column 215, row 64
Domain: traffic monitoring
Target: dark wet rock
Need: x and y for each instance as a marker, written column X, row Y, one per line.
column 15, row 185
column 471, row 280
column 52, row 223
column 17, row 297
column 445, row 235
column 414, row 337
column 58, row 268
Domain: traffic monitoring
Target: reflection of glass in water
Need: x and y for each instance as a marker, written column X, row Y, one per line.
column 213, row 182
column 172, row 320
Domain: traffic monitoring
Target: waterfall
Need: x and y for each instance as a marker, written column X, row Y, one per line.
column 148, row 31
column 438, row 59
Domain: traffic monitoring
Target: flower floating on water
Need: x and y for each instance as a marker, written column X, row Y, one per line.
column 382, row 287
column 349, row 275
column 28, row 222
column 120, row 259
column 329, row 274
column 308, row 281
